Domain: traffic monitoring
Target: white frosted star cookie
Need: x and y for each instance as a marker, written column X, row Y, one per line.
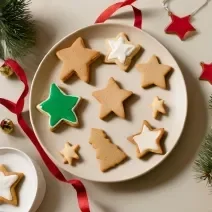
column 158, row 106
column 147, row 140
column 121, row 51
column 8, row 184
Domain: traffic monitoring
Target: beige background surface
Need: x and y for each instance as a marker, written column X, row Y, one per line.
column 169, row 187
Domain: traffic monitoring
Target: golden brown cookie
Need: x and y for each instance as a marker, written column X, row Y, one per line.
column 77, row 59
column 111, row 99
column 8, row 183
column 147, row 140
column 121, row 51
column 109, row 154
column 158, row 106
column 153, row 73
column 69, row 153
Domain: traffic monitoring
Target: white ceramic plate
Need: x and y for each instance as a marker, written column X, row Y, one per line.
column 137, row 107
column 32, row 188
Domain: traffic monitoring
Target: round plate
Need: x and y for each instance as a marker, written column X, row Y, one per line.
column 32, row 188
column 137, row 107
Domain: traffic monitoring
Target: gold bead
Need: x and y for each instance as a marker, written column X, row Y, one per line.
column 6, row 71
column 7, row 126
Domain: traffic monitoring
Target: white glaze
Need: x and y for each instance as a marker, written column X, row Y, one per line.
column 120, row 50
column 5, row 184
column 147, row 139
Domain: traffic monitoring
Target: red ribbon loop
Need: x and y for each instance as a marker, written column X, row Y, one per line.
column 106, row 14
column 17, row 109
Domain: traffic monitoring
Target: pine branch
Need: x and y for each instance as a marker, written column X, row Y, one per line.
column 17, row 34
column 203, row 163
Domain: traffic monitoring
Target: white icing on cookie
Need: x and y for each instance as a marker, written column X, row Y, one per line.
column 5, row 184
column 147, row 139
column 119, row 49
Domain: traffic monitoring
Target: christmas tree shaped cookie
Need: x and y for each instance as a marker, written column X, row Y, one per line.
column 59, row 107
column 109, row 154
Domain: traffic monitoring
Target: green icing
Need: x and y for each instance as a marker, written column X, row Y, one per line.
column 60, row 106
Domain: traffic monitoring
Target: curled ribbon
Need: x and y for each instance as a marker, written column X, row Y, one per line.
column 17, row 109
column 106, row 14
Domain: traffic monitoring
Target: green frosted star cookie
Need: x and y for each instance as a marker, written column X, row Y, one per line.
column 59, row 107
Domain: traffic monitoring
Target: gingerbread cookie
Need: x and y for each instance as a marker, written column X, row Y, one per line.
column 153, row 73
column 121, row 51
column 111, row 99
column 158, row 106
column 59, row 107
column 147, row 140
column 8, row 183
column 69, row 153
column 109, row 154
column 77, row 59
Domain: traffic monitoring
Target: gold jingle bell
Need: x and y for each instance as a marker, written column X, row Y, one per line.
column 7, row 126
column 6, row 71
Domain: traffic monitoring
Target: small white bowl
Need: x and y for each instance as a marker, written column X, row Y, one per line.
column 32, row 188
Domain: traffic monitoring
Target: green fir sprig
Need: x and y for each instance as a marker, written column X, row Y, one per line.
column 17, row 31
column 203, row 163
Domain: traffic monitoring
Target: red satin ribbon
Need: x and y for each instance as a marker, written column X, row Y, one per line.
column 113, row 8
column 17, row 109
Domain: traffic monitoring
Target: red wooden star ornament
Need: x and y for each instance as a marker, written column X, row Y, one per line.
column 206, row 72
column 181, row 26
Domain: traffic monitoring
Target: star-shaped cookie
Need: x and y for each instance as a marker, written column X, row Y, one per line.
column 60, row 107
column 121, row 51
column 69, row 153
column 158, row 106
column 147, row 140
column 153, row 73
column 181, row 26
column 8, row 183
column 77, row 59
column 111, row 99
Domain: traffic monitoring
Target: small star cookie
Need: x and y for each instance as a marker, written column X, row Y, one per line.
column 121, row 51
column 111, row 99
column 8, row 183
column 153, row 73
column 147, row 140
column 77, row 59
column 69, row 153
column 158, row 106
